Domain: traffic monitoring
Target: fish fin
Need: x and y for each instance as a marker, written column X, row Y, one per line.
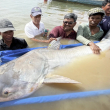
column 58, row 79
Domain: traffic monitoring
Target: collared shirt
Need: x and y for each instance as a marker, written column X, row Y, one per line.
column 84, row 34
column 17, row 43
column 31, row 30
column 105, row 24
column 59, row 32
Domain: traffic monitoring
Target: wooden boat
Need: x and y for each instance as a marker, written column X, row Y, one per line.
column 89, row 2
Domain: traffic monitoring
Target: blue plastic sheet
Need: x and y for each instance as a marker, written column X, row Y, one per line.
column 52, row 98
column 8, row 55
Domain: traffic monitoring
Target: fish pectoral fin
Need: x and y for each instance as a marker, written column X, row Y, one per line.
column 58, row 79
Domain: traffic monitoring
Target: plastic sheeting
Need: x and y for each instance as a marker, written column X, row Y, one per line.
column 52, row 98
column 8, row 55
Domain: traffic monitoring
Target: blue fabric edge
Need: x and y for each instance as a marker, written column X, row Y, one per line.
column 44, row 99
column 52, row 98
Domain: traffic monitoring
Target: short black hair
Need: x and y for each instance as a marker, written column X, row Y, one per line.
column 104, row 3
column 71, row 15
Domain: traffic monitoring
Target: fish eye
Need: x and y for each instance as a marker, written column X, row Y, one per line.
column 6, row 92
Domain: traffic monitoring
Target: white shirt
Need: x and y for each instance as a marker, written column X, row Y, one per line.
column 31, row 30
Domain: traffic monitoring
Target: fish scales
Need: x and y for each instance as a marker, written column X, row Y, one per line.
column 24, row 75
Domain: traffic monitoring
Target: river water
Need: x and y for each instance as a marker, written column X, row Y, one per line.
column 18, row 12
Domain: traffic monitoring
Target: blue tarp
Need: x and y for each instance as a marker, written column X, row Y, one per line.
column 52, row 98
column 9, row 55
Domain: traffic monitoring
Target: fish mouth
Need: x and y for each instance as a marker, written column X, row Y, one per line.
column 10, row 97
column 18, row 94
column 5, row 99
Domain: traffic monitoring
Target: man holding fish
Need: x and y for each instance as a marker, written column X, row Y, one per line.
column 66, row 30
column 35, row 28
column 89, row 32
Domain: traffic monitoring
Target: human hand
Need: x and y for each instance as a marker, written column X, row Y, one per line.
column 48, row 41
column 96, row 49
column 45, row 32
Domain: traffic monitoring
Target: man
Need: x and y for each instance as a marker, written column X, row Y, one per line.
column 35, row 28
column 87, row 33
column 66, row 30
column 8, row 42
column 105, row 23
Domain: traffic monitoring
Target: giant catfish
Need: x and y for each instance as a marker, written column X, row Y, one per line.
column 23, row 76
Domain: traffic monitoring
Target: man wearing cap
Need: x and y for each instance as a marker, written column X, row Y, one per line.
column 66, row 30
column 35, row 27
column 8, row 42
column 105, row 23
column 87, row 33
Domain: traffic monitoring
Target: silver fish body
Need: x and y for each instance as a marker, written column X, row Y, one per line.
column 24, row 75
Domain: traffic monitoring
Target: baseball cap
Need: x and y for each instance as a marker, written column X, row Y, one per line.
column 36, row 11
column 71, row 15
column 95, row 11
column 6, row 25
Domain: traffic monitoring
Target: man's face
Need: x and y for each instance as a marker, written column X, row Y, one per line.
column 68, row 24
column 107, row 9
column 94, row 20
column 36, row 19
column 7, row 36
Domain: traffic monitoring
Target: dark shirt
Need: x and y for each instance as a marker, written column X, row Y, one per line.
column 59, row 32
column 17, row 43
column 105, row 24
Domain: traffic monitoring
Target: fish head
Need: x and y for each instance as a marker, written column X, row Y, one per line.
column 6, row 92
column 13, row 91
column 20, row 82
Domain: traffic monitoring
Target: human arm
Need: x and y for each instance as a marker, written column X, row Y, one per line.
column 85, row 41
column 46, row 41
column 80, row 35
column 54, row 32
column 44, row 34
column 31, row 33
column 96, row 49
